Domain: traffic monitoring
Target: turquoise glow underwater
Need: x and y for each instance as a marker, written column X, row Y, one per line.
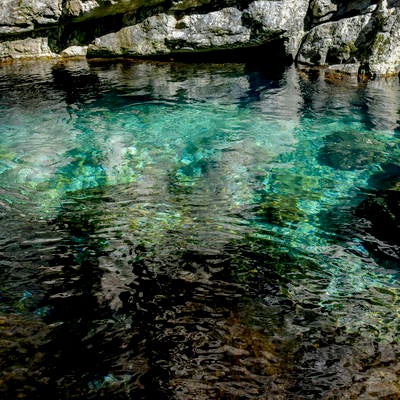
column 198, row 231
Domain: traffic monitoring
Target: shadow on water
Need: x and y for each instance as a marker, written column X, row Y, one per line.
column 178, row 328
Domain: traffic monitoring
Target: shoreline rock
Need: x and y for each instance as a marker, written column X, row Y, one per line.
column 350, row 37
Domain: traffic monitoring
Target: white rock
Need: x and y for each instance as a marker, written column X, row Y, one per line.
column 337, row 37
column 74, row 51
column 160, row 35
column 385, row 55
column 285, row 16
column 22, row 16
column 24, row 48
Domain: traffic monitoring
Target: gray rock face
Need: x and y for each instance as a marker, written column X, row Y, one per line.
column 77, row 8
column 345, row 35
column 74, row 51
column 368, row 41
column 24, row 15
column 163, row 34
column 385, row 50
column 285, row 17
column 88, row 9
column 334, row 42
column 229, row 27
column 321, row 11
column 23, row 48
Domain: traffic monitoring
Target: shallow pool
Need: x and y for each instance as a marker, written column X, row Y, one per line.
column 197, row 231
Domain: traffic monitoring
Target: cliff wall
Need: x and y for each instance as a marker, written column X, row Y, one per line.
column 352, row 36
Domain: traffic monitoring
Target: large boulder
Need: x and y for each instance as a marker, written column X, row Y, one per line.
column 285, row 17
column 360, row 37
column 335, row 42
column 384, row 58
column 163, row 34
column 262, row 22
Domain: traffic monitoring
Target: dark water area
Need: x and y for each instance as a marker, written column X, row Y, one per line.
column 197, row 231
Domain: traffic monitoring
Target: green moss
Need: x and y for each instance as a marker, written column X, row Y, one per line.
column 280, row 210
column 349, row 48
column 381, row 44
column 372, row 38
column 181, row 25
column 341, row 54
column 279, row 206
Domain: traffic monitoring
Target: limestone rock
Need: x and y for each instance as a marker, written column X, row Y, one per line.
column 38, row 47
column 229, row 27
column 22, row 16
column 74, row 51
column 332, row 10
column 217, row 29
column 322, row 10
column 335, row 42
column 163, row 34
column 87, row 9
column 385, row 50
column 347, row 35
column 76, row 8
column 368, row 42
column 146, row 38
column 285, row 17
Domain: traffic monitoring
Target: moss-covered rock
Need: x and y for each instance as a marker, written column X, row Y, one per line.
column 334, row 42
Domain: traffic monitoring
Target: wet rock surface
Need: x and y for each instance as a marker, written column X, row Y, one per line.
column 381, row 217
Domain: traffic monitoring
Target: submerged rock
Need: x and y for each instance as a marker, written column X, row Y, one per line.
column 381, row 215
column 349, row 150
column 378, row 216
column 372, row 221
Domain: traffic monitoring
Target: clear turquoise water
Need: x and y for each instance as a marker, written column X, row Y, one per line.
column 193, row 231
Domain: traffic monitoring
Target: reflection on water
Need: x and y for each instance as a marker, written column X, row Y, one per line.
column 189, row 231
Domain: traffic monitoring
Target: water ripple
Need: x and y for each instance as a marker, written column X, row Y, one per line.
column 179, row 231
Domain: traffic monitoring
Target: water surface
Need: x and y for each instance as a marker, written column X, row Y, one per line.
column 193, row 231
